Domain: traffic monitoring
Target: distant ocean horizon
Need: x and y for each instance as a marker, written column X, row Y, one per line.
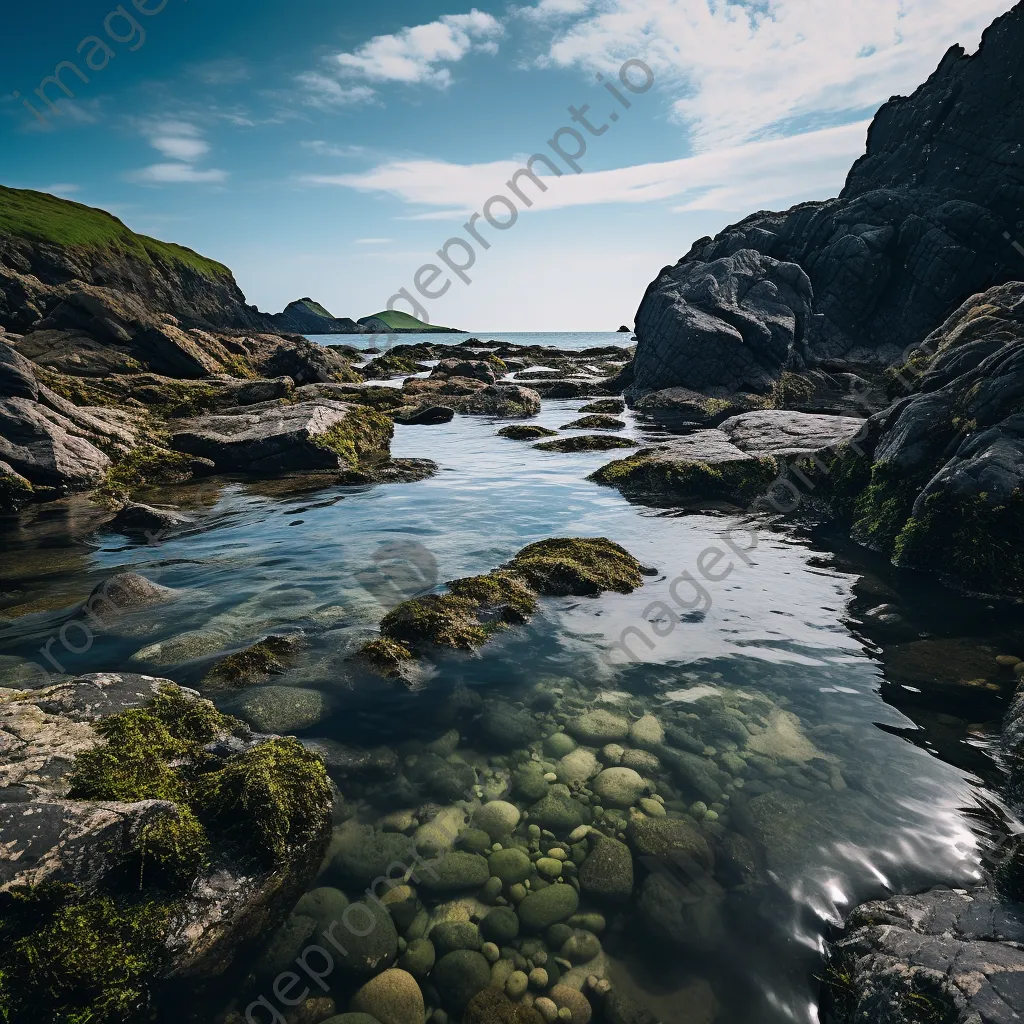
column 571, row 341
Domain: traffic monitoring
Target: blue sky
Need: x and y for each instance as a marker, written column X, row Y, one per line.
column 330, row 149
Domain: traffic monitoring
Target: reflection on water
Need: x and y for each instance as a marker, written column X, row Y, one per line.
column 746, row 707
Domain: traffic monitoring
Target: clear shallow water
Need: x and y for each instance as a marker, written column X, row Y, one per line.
column 857, row 810
column 572, row 341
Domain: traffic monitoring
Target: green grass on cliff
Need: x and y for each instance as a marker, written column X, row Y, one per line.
column 396, row 320
column 45, row 218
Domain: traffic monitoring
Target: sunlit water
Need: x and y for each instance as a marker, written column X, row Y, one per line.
column 865, row 811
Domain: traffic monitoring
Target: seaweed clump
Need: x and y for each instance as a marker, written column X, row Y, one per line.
column 253, row 664
column 581, row 567
column 145, row 464
column 261, row 802
column 596, row 422
column 605, row 405
column 477, row 607
column 586, row 443
column 80, row 957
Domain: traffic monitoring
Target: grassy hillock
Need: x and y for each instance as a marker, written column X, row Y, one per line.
column 396, row 320
column 44, row 218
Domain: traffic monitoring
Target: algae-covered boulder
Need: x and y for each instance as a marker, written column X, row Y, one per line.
column 525, row 432
column 283, row 709
column 608, row 870
column 510, row 865
column 598, row 727
column 565, row 567
column 392, row 997
column 548, row 906
column 454, row 872
column 560, row 814
column 459, row 976
column 619, row 787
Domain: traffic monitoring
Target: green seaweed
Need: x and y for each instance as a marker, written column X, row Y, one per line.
column 172, row 849
column 386, row 656
column 504, row 592
column 440, row 619
column 363, row 433
column 882, row 509
column 974, row 538
column 595, row 422
column 270, row 799
column 586, row 443
column 145, row 464
column 691, row 480
column 253, row 664
column 790, row 388
column 72, row 956
column 577, row 566
column 605, row 405
column 15, row 491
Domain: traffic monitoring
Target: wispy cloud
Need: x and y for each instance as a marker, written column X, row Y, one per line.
column 373, row 241
column 736, row 71
column 417, row 54
column 227, row 71
column 732, row 179
column 62, row 189
column 323, row 91
column 182, row 143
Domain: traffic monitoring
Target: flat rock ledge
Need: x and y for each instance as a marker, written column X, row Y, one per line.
column 737, row 461
column 957, row 954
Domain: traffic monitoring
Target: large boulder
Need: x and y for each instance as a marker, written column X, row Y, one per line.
column 926, row 219
column 273, row 438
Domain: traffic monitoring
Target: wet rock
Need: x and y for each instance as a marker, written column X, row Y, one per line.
column 428, row 415
column 360, row 854
column 418, row 958
column 548, row 906
column 359, row 764
column 641, row 761
column 511, row 865
column 449, row 936
column 596, row 728
column 493, row 1006
column 505, row 727
column 647, row 732
column 147, row 520
column 587, row 443
column 671, row 838
column 577, row 767
column 525, row 432
column 955, row 952
column 124, row 593
column 529, row 784
column 501, row 926
column 696, row 775
column 503, row 400
column 595, row 422
column 577, row 1003
column 323, row 904
column 558, row 744
column 458, row 977
column 477, row 369
column 283, row 709
column 498, row 819
column 608, row 870
column 619, row 787
column 687, row 913
column 455, row 872
column 559, row 814
column 443, row 779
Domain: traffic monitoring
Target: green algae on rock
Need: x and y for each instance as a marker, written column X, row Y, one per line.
column 363, row 433
column 253, row 664
column 586, row 443
column 596, row 422
column 525, row 432
column 476, row 607
column 615, row 406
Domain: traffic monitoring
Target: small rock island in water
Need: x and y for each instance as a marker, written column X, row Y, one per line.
column 261, row 760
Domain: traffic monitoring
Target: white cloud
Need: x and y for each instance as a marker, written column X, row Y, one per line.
column 322, row 91
column 739, row 69
column 227, row 71
column 177, row 173
column 413, row 55
column 180, row 142
column 373, row 241
column 62, row 189
column 734, row 179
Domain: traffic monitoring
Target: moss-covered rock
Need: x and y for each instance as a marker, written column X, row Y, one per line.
column 459, row 976
column 364, row 433
column 578, row 567
column 525, row 432
column 613, row 406
column 548, row 906
column 595, row 422
column 254, row 664
column 586, row 443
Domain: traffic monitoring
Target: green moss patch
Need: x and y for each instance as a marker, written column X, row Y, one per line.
column 252, row 665
column 68, row 955
column 973, row 538
column 790, row 389
column 597, row 422
column 477, row 607
column 362, row 434
column 882, row 509
column 684, row 480
column 145, row 464
column 586, row 443
column 389, row 365
column 575, row 566
column 15, row 491
column 525, row 432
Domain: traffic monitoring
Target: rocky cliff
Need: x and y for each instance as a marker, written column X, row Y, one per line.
column 927, row 219
column 49, row 246
column 306, row 316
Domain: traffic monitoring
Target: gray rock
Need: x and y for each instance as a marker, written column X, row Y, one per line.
column 506, row 401
column 608, row 870
column 784, row 434
column 282, row 709
column 266, row 439
column 136, row 518
column 959, row 950
column 124, row 593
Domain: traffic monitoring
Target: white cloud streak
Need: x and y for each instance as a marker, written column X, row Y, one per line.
column 182, row 143
column 733, row 179
column 739, row 70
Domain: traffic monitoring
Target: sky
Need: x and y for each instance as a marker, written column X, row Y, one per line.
column 332, row 149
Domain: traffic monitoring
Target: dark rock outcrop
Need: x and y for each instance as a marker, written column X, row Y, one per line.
column 926, row 219
column 305, row 316
column 954, row 955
